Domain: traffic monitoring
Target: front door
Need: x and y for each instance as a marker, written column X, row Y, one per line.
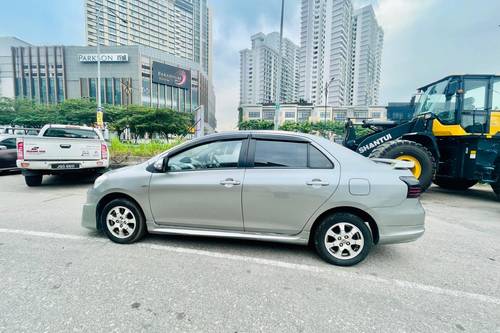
column 288, row 182
column 201, row 188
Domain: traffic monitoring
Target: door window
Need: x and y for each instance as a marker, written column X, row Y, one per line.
column 10, row 143
column 495, row 104
column 279, row 154
column 474, row 115
column 214, row 155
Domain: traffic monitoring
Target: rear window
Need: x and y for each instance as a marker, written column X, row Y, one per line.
column 74, row 133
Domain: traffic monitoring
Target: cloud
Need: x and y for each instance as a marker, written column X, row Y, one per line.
column 395, row 15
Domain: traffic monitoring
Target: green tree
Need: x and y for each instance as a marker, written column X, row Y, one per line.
column 256, row 125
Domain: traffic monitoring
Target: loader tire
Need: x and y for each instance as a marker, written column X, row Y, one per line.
column 425, row 164
column 454, row 184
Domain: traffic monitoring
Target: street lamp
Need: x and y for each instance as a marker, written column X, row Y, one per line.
column 98, row 14
column 278, row 78
column 327, row 85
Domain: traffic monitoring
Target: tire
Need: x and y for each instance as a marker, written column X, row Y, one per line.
column 454, row 184
column 35, row 180
column 407, row 150
column 122, row 221
column 496, row 188
column 337, row 225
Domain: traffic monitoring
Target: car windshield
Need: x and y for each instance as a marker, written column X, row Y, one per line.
column 75, row 133
column 437, row 100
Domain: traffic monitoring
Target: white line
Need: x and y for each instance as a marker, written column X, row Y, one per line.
column 275, row 263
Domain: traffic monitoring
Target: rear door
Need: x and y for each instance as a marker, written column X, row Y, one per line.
column 285, row 183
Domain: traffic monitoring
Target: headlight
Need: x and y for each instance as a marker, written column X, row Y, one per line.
column 100, row 180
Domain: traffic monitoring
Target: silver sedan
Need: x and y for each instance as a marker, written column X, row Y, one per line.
column 273, row 186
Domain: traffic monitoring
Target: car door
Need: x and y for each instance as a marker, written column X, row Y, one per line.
column 286, row 182
column 201, row 187
column 8, row 156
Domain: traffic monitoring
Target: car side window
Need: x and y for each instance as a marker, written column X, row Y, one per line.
column 280, row 154
column 213, row 155
column 10, row 143
column 317, row 160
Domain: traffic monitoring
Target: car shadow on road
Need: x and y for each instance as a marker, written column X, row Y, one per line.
column 68, row 180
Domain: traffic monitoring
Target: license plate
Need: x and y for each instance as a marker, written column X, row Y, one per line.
column 65, row 166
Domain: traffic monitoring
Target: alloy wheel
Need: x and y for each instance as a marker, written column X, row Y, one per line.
column 344, row 240
column 121, row 222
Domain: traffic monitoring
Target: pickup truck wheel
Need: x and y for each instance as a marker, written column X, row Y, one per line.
column 406, row 150
column 122, row 221
column 343, row 239
column 35, row 180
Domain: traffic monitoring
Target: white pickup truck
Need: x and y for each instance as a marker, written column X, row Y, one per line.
column 61, row 149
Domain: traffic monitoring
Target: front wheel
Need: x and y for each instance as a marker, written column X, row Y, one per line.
column 343, row 239
column 123, row 221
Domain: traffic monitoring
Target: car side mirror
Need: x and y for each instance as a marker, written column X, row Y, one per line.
column 161, row 164
column 3, row 147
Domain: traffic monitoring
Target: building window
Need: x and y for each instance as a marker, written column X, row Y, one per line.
column 155, row 95
column 289, row 114
column 175, row 98
column 118, row 92
column 169, row 97
column 268, row 115
column 146, row 92
column 109, row 91
column 254, row 114
column 376, row 114
column 92, row 88
column 60, row 89
column 162, row 95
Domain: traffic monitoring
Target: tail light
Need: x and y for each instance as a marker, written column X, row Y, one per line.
column 104, row 151
column 414, row 188
column 20, row 149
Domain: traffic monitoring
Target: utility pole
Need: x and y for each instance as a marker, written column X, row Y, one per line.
column 278, row 78
column 327, row 85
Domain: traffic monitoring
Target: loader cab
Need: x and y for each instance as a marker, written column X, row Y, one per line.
column 462, row 105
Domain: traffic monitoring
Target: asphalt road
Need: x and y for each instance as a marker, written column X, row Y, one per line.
column 57, row 277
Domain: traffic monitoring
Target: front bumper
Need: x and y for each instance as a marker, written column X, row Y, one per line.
column 400, row 224
column 89, row 219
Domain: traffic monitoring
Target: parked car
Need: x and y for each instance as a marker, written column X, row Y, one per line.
column 61, row 149
column 8, row 153
column 273, row 186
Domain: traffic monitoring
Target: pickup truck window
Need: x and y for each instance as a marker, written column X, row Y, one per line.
column 74, row 133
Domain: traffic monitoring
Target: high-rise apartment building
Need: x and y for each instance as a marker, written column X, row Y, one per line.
column 178, row 27
column 325, row 50
column 259, row 70
column 340, row 43
column 367, row 43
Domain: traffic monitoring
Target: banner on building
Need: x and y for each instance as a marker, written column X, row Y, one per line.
column 172, row 76
column 105, row 57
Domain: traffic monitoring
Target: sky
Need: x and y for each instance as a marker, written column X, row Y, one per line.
column 424, row 39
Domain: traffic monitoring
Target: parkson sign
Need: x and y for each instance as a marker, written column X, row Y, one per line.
column 105, row 57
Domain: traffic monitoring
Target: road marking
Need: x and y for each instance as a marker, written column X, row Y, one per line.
column 276, row 263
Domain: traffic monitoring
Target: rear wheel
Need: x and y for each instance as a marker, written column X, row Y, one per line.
column 35, row 180
column 343, row 239
column 406, row 150
column 454, row 184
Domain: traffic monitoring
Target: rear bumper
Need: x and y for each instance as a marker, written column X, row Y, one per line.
column 400, row 224
column 46, row 166
column 89, row 219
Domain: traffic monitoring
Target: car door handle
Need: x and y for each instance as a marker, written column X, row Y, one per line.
column 65, row 146
column 317, row 182
column 229, row 182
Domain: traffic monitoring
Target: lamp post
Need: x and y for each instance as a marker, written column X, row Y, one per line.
column 278, row 78
column 327, row 85
column 100, row 114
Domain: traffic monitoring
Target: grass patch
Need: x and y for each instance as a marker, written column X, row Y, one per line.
column 119, row 149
